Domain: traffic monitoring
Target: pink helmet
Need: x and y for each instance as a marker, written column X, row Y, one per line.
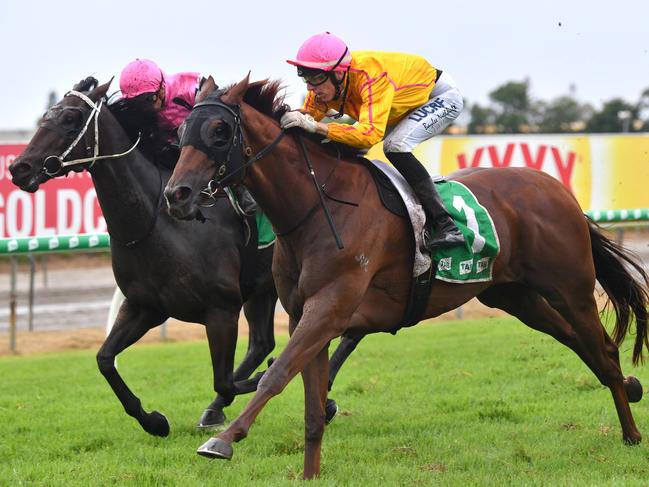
column 140, row 76
column 323, row 51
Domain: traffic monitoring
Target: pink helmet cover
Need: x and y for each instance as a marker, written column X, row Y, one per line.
column 140, row 76
column 323, row 51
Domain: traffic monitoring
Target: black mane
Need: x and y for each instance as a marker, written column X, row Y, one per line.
column 266, row 98
column 87, row 84
column 139, row 122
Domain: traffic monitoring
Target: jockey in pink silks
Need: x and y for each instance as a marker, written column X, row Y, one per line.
column 171, row 97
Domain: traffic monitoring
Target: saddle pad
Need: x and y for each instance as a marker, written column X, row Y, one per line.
column 472, row 262
column 265, row 235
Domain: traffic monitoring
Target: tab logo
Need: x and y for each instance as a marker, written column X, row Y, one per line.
column 445, row 264
column 482, row 264
column 466, row 266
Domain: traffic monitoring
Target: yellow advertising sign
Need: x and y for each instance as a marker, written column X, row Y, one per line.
column 604, row 172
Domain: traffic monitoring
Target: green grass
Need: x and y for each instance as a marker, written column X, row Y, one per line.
column 461, row 403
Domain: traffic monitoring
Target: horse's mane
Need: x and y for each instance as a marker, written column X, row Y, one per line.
column 87, row 84
column 266, row 98
column 139, row 122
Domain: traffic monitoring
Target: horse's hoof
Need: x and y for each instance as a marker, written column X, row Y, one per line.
column 211, row 419
column 633, row 389
column 632, row 440
column 216, row 448
column 331, row 410
column 156, row 424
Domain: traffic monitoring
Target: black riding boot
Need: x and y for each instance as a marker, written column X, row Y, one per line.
column 441, row 230
column 445, row 232
column 244, row 199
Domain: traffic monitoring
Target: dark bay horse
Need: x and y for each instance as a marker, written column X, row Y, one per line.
column 551, row 255
column 202, row 273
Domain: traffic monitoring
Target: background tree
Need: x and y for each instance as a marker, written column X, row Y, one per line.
column 610, row 119
column 513, row 104
column 482, row 119
column 643, row 109
column 563, row 114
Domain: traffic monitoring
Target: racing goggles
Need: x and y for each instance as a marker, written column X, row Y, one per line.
column 314, row 77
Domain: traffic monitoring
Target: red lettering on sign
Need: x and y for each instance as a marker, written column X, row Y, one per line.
column 565, row 170
column 529, row 159
column 536, row 162
column 475, row 162
column 507, row 158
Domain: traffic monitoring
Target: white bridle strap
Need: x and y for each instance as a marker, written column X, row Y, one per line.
column 94, row 114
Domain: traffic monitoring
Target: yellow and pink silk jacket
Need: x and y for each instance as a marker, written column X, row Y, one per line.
column 383, row 88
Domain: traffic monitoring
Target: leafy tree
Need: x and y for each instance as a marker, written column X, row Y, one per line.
column 482, row 118
column 563, row 114
column 643, row 109
column 609, row 119
column 512, row 102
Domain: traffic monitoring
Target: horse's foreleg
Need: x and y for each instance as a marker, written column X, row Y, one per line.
column 318, row 326
column 260, row 314
column 314, row 377
column 130, row 325
column 344, row 349
column 221, row 327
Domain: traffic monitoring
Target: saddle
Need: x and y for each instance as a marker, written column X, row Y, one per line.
column 421, row 284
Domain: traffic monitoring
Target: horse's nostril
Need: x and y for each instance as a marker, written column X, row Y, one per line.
column 20, row 169
column 178, row 194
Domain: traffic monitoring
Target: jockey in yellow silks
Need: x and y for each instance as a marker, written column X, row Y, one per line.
column 395, row 97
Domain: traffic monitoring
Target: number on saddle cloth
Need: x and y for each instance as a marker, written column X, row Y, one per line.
column 472, row 262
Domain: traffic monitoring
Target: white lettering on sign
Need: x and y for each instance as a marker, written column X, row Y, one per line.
column 19, row 203
column 39, row 216
column 68, row 215
column 61, row 212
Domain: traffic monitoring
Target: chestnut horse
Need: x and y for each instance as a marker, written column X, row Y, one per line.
column 186, row 270
column 550, row 257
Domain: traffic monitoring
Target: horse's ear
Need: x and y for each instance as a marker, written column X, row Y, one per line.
column 207, row 86
column 235, row 95
column 100, row 91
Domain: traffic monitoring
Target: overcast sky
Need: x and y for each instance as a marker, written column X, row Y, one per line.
column 601, row 47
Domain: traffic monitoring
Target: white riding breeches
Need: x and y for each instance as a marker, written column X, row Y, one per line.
column 442, row 108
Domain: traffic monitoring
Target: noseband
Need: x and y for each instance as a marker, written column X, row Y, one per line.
column 53, row 165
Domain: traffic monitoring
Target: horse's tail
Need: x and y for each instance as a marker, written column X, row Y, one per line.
column 628, row 294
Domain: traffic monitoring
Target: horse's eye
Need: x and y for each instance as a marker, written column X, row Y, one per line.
column 69, row 118
column 216, row 134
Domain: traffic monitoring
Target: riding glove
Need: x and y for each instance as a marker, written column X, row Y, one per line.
column 298, row 119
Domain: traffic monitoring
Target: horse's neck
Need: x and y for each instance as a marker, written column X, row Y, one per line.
column 128, row 188
column 283, row 185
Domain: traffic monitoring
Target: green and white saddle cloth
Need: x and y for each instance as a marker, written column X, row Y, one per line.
column 265, row 235
column 472, row 262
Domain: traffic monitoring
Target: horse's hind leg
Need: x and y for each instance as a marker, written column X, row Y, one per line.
column 344, row 349
column 131, row 324
column 578, row 327
column 260, row 314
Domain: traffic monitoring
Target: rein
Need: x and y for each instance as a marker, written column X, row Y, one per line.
column 53, row 165
column 214, row 185
column 57, row 166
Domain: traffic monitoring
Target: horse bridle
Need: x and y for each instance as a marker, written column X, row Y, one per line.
column 53, row 165
column 220, row 178
column 59, row 164
column 214, row 185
